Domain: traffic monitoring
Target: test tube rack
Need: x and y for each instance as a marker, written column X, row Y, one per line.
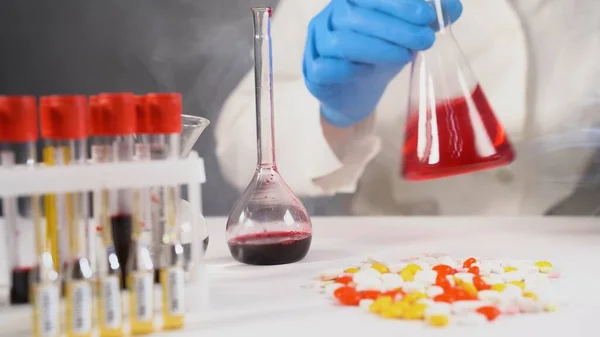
column 25, row 181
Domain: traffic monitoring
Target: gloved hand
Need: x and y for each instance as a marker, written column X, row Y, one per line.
column 356, row 47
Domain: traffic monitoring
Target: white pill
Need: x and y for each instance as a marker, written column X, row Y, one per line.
column 513, row 276
column 450, row 279
column 493, row 279
column 447, row 261
column 413, row 287
column 489, row 295
column 367, row 276
column 423, row 264
column 471, row 318
column 365, row 303
column 509, row 309
column 365, row 287
column 425, row 276
column 391, row 279
column 529, row 305
column 438, row 308
column 431, row 260
column 484, row 268
column 495, row 268
column 465, row 277
column 433, row 291
column 427, row 301
column 331, row 288
column 463, row 307
column 395, row 268
column 511, row 292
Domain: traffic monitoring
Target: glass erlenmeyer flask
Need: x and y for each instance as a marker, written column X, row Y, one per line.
column 268, row 225
column 451, row 128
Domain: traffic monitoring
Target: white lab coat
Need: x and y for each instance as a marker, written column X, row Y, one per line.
column 537, row 60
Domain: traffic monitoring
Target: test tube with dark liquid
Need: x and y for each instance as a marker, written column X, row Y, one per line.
column 18, row 136
column 112, row 125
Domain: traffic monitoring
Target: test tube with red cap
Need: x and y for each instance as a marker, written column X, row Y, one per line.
column 18, row 136
column 112, row 126
column 162, row 127
column 64, row 128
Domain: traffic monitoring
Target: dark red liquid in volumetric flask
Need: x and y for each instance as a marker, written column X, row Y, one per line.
column 19, row 291
column 271, row 248
column 121, row 230
column 445, row 141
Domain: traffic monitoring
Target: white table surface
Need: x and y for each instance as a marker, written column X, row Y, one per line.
column 271, row 301
column 259, row 301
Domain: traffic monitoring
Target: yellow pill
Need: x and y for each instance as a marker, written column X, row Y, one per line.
column 380, row 267
column 415, row 312
column 407, row 275
column 438, row 320
column 380, row 304
column 509, row 269
column 470, row 289
column 458, row 281
column 541, row 264
column 413, row 297
column 414, row 268
column 519, row 284
column 550, row 308
column 531, row 295
column 499, row 287
column 351, row 270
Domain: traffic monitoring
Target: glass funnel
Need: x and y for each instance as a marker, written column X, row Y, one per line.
column 193, row 126
column 268, row 225
column 451, row 128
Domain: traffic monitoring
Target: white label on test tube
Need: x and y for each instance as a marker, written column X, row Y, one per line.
column 175, row 294
column 143, row 296
column 47, row 298
column 111, row 303
column 82, row 307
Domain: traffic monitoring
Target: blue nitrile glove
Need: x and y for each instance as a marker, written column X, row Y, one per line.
column 356, row 47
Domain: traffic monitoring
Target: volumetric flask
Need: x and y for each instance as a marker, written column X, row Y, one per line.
column 451, row 128
column 268, row 225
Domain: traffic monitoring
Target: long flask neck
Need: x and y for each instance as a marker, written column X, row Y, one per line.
column 263, row 76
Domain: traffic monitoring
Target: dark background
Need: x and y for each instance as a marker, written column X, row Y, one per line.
column 199, row 48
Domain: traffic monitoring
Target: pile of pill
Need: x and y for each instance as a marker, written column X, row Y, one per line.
column 442, row 290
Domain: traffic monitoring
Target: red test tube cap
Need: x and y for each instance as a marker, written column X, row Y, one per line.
column 112, row 114
column 142, row 120
column 18, row 119
column 163, row 113
column 63, row 117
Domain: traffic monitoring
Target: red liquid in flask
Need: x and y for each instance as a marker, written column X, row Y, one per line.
column 271, row 248
column 445, row 142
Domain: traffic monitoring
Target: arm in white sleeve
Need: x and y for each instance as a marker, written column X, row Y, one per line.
column 306, row 160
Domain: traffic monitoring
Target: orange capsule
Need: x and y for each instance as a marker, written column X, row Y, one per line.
column 344, row 279
column 443, row 269
column 491, row 313
column 474, row 270
column 468, row 262
column 445, row 297
column 480, row 284
column 347, row 296
column 369, row 294
column 442, row 281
